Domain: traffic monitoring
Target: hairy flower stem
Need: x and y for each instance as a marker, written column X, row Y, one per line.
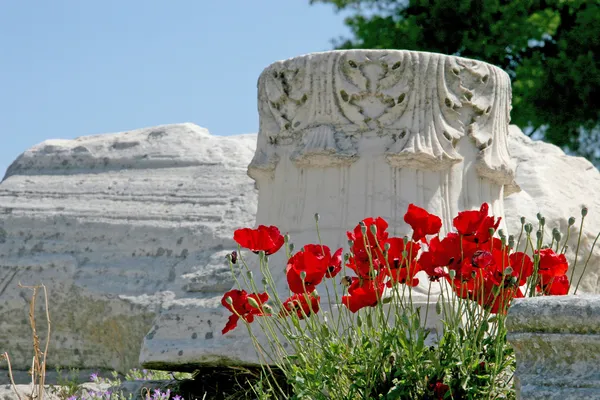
column 577, row 249
column 586, row 264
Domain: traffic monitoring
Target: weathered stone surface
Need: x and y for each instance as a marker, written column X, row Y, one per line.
column 351, row 134
column 557, row 185
column 118, row 227
column 557, row 345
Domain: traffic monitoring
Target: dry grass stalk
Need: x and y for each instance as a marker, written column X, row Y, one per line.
column 38, row 368
column 5, row 356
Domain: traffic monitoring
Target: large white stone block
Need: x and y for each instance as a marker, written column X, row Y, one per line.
column 558, row 186
column 118, row 227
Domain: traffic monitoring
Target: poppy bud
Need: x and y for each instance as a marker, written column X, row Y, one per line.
column 538, row 235
column 452, row 274
column 316, row 217
column 346, row 257
column 571, row 221
column 405, row 240
column 539, row 216
column 253, row 302
column 584, row 211
column 528, row 228
column 291, row 246
column 363, row 229
column 557, row 235
column 268, row 309
column 501, row 233
column 491, row 231
column 233, row 257
column 303, row 275
column 522, row 220
column 387, row 246
column 358, row 321
column 286, row 238
column 373, row 229
column 508, row 271
column 229, row 300
column 249, row 274
column 350, row 243
column 264, row 281
column 511, row 241
column 542, row 221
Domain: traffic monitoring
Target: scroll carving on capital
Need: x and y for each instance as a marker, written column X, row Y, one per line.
column 486, row 116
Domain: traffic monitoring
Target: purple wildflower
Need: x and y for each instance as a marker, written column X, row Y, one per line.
column 94, row 377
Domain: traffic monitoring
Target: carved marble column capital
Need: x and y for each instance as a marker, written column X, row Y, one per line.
column 320, row 109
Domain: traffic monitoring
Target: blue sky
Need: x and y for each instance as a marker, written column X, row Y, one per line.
column 70, row 68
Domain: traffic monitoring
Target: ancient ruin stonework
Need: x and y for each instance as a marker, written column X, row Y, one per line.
column 350, row 134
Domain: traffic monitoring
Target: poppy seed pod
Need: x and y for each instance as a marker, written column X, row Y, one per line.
column 253, row 302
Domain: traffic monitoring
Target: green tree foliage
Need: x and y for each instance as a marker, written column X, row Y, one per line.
column 549, row 48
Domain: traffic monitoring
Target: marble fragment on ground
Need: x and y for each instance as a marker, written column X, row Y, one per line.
column 556, row 340
column 118, row 227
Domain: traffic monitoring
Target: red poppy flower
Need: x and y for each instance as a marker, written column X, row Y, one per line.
column 358, row 238
column 241, row 303
column 474, row 225
column 469, row 276
column 363, row 293
column 263, row 238
column 428, row 264
column 440, row 389
column 401, row 264
column 421, row 222
column 557, row 286
column 552, row 264
column 494, row 298
column 303, row 304
column 451, row 250
column 522, row 266
column 335, row 264
column 362, row 264
column 314, row 261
